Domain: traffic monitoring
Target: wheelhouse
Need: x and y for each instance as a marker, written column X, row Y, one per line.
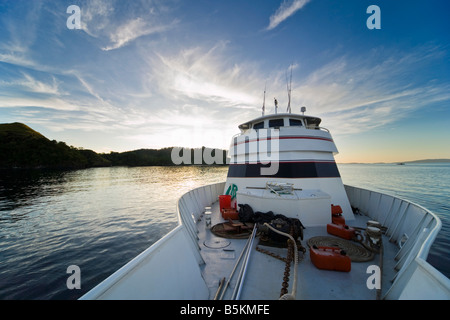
column 278, row 121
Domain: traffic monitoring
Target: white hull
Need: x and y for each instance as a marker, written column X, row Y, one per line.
column 285, row 164
column 180, row 266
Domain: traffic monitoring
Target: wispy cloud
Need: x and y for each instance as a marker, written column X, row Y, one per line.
column 116, row 29
column 354, row 94
column 18, row 59
column 97, row 15
column 207, row 75
column 49, row 103
column 41, row 87
column 17, row 39
column 287, row 9
column 87, row 86
column 132, row 30
column 360, row 94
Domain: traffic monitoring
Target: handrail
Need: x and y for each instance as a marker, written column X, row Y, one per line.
column 418, row 252
column 324, row 129
column 184, row 212
column 425, row 248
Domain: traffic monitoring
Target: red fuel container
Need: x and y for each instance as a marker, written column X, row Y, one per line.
column 330, row 258
column 336, row 215
column 229, row 213
column 224, row 202
column 341, row 231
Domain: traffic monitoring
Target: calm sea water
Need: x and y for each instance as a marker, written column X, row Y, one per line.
column 99, row 219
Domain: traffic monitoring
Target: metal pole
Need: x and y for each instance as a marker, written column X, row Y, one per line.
column 220, row 288
column 244, row 266
column 234, row 269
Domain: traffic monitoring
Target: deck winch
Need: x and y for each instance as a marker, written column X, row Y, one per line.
column 286, row 225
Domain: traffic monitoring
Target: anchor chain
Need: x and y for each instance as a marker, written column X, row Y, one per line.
column 287, row 269
column 272, row 254
column 287, row 260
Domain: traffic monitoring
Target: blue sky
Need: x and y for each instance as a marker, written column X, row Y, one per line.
column 160, row 73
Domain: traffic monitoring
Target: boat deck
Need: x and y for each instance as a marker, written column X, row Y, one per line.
column 264, row 275
column 190, row 261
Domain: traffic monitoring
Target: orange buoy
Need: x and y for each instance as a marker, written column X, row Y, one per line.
column 341, row 231
column 330, row 258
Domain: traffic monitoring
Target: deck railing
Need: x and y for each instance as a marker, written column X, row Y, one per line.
column 192, row 205
column 414, row 229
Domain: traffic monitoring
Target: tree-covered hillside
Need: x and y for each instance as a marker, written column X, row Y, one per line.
column 23, row 147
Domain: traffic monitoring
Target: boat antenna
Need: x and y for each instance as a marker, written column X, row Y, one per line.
column 289, row 90
column 276, row 105
column 264, row 101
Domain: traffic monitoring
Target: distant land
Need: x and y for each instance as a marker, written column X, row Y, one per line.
column 404, row 162
column 427, row 161
column 24, row 148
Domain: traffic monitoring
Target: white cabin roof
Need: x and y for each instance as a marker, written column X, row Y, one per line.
column 308, row 120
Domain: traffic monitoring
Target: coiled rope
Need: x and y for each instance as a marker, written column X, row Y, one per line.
column 356, row 252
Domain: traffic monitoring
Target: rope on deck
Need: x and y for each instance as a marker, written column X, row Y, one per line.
column 356, row 252
column 289, row 296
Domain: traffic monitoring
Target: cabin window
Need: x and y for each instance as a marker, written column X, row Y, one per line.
column 259, row 125
column 295, row 123
column 313, row 123
column 276, row 123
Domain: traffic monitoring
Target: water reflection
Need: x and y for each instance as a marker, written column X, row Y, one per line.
column 20, row 187
column 98, row 219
